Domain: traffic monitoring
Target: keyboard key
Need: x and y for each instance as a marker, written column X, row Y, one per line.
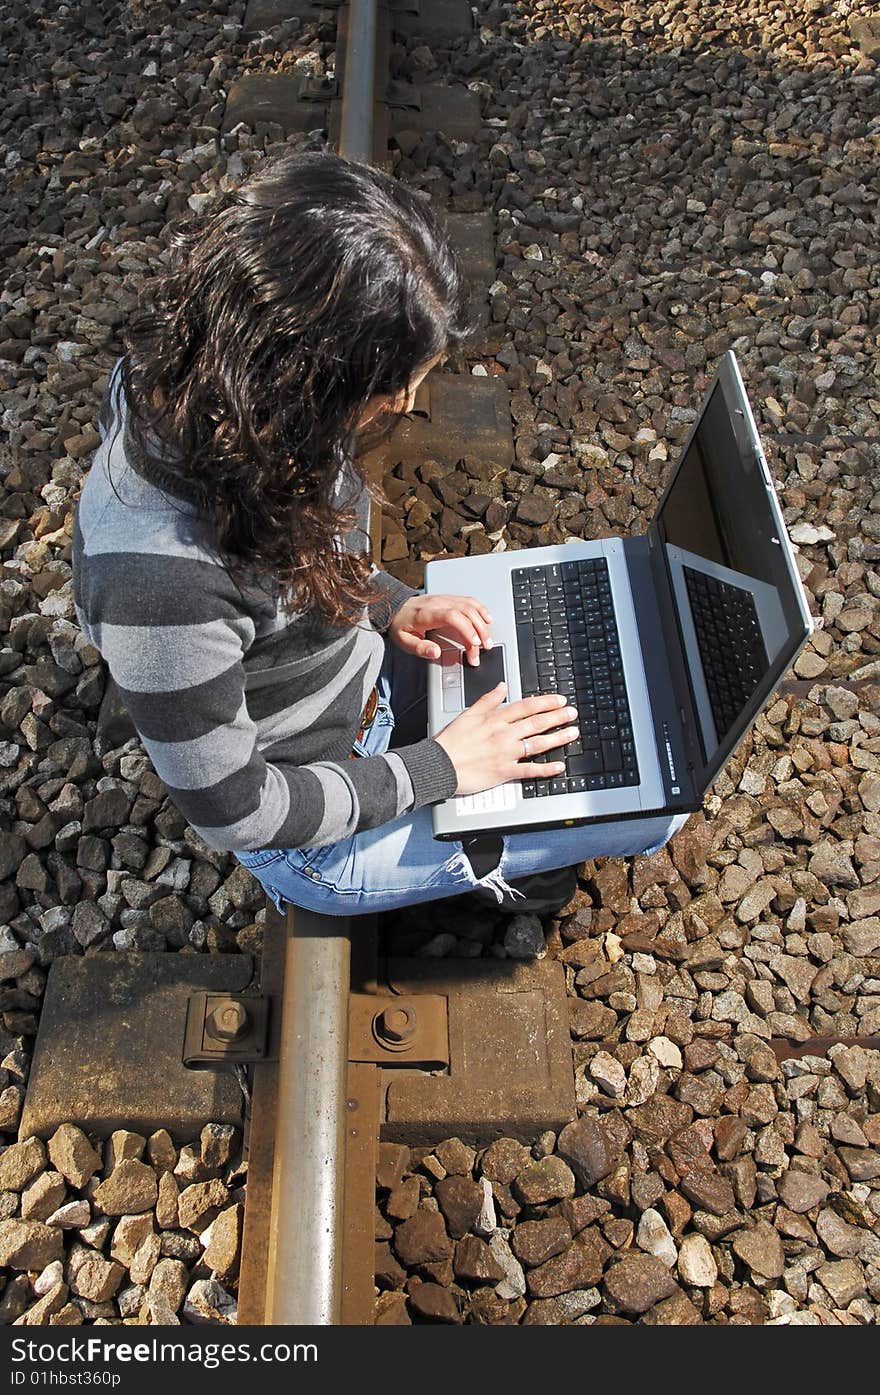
column 590, row 763
column 612, row 756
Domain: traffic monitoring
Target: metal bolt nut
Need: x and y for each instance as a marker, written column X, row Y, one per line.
column 396, row 1024
column 229, row 1021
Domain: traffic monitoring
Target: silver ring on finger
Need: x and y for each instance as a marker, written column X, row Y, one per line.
column 525, row 746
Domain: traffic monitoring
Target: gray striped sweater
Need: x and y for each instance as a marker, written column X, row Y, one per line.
column 247, row 711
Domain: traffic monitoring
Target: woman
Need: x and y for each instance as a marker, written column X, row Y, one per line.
column 222, row 562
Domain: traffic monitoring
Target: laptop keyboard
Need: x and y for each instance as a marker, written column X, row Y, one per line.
column 729, row 639
column 568, row 643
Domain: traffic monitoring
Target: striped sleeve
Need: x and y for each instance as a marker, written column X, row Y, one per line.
column 391, row 594
column 174, row 637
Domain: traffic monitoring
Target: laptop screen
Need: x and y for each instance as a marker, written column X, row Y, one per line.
column 738, row 599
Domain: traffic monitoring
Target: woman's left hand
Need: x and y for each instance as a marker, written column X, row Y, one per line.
column 463, row 617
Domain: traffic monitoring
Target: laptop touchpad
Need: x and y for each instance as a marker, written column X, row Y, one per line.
column 488, row 673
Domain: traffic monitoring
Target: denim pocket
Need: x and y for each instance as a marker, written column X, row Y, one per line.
column 308, row 859
column 262, row 857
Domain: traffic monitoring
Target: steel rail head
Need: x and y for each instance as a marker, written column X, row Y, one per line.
column 304, row 1283
column 304, row 1263
column 356, row 133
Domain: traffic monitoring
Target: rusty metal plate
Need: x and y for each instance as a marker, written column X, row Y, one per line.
column 397, row 1030
column 359, row 1199
column 224, row 1028
column 453, row 110
column 108, row 1053
column 457, row 417
column 260, row 1137
column 510, row 1064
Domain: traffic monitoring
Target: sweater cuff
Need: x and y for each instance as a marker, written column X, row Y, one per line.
column 390, row 596
column 432, row 773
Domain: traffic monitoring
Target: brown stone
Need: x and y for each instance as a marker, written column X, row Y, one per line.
column 581, row 1211
column 475, row 1262
column 580, row 1266
column 636, row 1283
column 457, row 1158
column 690, row 847
column 392, row 1163
column 591, row 1021
column 675, row 1311
column 199, row 1203
column 794, row 1226
column 730, row 1134
column 742, row 1175
column 387, row 1271
column 534, row 1242
column 590, row 1149
column 677, row 1210
column 130, row 1189
column 760, row 1248
column 432, row 1301
column 146, row 1258
column 129, row 1235
column 20, row 1164
column 658, row 1119
column 43, row 1309
column 44, row 1195
column 488, row 1310
column 169, row 1281
column 548, row 1179
column 391, row 1311
column 748, row 1305
column 122, row 1144
column 223, row 1251
column 504, row 1159
column 461, row 1200
column 689, row 1148
column 801, row 1191
column 166, row 1201
column 708, row 1190
column 422, row 1239
column 862, row 1164
column 95, row 1278
column 161, row 1150
column 29, row 1244
column 403, row 1200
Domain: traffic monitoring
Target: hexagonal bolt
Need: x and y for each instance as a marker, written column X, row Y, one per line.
column 229, row 1022
column 396, row 1024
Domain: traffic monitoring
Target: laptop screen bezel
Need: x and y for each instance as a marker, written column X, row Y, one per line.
column 728, row 381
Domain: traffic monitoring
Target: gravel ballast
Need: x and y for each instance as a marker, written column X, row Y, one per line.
column 665, row 184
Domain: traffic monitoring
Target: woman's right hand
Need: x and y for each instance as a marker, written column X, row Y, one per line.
column 485, row 742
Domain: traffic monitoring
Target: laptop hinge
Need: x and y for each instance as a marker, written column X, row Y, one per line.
column 675, row 719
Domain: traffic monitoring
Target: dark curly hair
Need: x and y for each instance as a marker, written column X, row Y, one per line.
column 317, row 286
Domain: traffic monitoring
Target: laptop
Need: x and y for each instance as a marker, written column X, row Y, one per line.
column 668, row 644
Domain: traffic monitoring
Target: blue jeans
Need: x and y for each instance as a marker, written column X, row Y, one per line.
column 401, row 863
